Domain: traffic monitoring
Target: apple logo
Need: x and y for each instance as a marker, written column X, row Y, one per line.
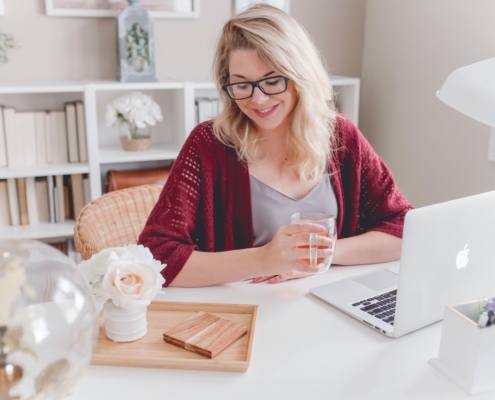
column 462, row 258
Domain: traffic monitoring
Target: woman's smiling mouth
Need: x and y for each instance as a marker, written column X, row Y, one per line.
column 265, row 112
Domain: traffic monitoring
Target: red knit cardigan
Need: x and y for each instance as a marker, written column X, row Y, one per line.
column 206, row 202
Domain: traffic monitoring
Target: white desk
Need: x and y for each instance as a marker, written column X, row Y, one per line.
column 303, row 349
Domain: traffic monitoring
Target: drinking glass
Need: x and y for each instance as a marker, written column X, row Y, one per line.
column 326, row 220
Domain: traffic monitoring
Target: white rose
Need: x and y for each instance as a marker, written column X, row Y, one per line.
column 94, row 268
column 125, row 103
column 99, row 265
column 156, row 111
column 136, row 108
column 132, row 285
column 141, row 116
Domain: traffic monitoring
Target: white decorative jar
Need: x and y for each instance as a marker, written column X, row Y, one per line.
column 467, row 351
column 124, row 324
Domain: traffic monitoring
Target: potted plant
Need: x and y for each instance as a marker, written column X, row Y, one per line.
column 134, row 113
column 137, row 48
column 125, row 280
column 467, row 354
column 7, row 42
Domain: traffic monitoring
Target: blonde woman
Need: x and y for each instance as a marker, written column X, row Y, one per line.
column 278, row 145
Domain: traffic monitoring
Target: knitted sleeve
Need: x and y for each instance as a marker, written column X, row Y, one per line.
column 172, row 231
column 380, row 204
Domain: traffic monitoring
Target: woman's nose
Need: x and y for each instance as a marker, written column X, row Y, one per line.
column 258, row 96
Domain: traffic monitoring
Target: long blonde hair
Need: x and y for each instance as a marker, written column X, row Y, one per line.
column 285, row 46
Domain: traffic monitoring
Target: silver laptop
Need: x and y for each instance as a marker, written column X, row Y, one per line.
column 448, row 257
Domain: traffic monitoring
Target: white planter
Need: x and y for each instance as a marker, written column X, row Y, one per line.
column 467, row 352
column 124, row 325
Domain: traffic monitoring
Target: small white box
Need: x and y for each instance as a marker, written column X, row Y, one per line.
column 467, row 352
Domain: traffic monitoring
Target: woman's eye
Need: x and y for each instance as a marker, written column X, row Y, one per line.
column 273, row 82
column 242, row 87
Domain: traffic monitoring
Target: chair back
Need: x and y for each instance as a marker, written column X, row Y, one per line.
column 115, row 219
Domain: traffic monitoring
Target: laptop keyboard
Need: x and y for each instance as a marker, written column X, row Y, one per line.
column 381, row 306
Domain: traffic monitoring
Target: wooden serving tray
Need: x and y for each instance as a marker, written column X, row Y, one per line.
column 152, row 351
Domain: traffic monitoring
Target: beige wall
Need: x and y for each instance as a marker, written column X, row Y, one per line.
column 410, row 47
column 338, row 29
column 61, row 49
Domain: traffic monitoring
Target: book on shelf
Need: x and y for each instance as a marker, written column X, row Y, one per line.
column 52, row 199
column 81, row 131
column 60, row 202
column 32, row 207
column 77, row 193
column 13, row 144
column 39, row 138
column 206, row 108
column 61, row 246
column 56, row 208
column 58, row 136
column 48, row 139
column 3, row 149
column 71, row 129
column 15, row 218
column 41, row 188
column 21, row 193
column 67, row 198
column 87, row 189
column 28, row 134
column 4, row 204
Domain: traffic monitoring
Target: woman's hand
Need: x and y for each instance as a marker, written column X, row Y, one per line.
column 282, row 278
column 283, row 254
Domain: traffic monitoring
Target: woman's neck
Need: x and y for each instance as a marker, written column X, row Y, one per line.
column 274, row 142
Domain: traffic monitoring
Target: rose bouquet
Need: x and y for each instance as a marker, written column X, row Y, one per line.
column 128, row 276
column 135, row 110
column 125, row 279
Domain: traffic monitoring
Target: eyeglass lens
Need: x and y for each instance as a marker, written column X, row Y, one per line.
column 270, row 86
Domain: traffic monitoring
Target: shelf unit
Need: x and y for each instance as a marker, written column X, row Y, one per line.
column 176, row 99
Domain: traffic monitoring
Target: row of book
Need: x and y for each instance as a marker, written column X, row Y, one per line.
column 206, row 108
column 44, row 137
column 30, row 201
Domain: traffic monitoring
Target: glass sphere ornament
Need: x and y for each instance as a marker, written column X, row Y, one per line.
column 48, row 322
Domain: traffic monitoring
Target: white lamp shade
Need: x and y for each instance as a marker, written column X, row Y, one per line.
column 471, row 91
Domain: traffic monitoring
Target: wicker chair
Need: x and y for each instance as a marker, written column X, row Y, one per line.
column 115, row 219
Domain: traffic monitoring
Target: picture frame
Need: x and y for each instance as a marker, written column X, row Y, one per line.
column 284, row 5
column 169, row 9
column 136, row 46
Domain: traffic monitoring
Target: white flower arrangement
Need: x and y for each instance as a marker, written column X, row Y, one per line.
column 135, row 109
column 128, row 276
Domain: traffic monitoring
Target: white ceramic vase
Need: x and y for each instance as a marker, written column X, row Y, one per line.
column 124, row 324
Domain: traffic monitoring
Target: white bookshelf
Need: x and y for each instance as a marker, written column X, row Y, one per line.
column 44, row 170
column 43, row 230
column 176, row 99
column 115, row 154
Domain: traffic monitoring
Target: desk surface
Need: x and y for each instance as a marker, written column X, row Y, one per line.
column 303, row 349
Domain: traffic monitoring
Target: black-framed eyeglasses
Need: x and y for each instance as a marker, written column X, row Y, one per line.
column 269, row 86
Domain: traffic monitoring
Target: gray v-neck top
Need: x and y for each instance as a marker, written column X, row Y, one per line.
column 271, row 209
